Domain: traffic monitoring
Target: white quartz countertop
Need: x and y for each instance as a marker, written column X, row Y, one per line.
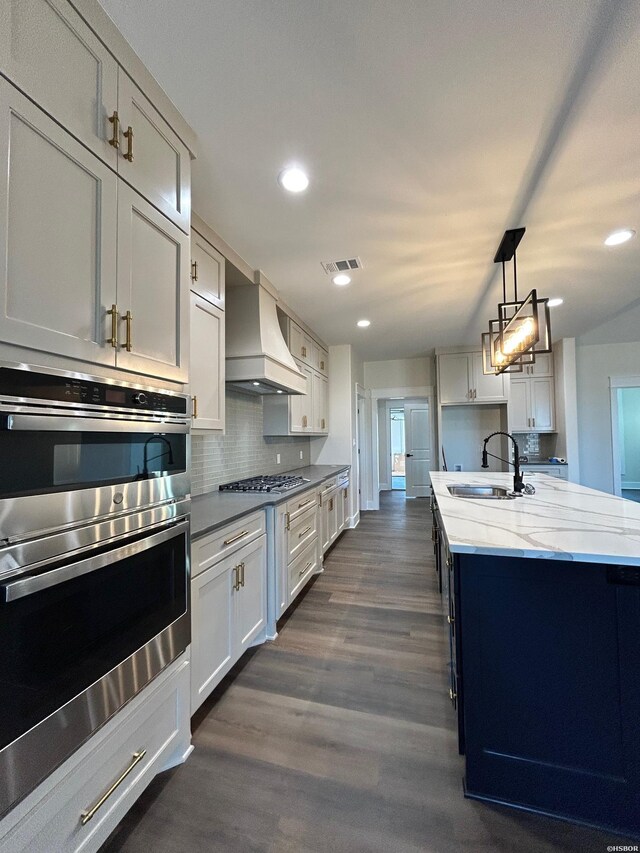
column 562, row 521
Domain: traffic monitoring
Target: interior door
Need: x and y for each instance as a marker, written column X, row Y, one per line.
column 419, row 449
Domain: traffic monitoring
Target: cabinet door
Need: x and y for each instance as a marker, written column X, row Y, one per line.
column 519, row 406
column 206, row 374
column 313, row 352
column 207, row 270
column 251, row 598
column 542, row 403
column 332, row 514
column 301, row 405
column 57, row 237
column 486, row 389
column 153, row 284
column 454, row 380
column 159, row 168
column 323, row 363
column 296, row 340
column 212, row 629
column 48, row 51
column 325, row 524
column 542, row 367
column 319, row 400
column 341, row 507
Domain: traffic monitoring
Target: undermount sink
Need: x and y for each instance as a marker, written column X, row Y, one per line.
column 487, row 493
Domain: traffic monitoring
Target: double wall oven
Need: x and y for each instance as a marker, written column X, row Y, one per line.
column 94, row 560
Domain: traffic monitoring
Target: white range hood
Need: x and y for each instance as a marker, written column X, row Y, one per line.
column 258, row 360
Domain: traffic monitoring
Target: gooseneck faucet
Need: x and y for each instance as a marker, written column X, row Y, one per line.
column 518, row 485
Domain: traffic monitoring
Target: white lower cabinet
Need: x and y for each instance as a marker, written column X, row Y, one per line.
column 81, row 803
column 228, row 612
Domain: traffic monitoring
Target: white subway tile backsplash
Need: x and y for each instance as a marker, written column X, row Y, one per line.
column 243, row 451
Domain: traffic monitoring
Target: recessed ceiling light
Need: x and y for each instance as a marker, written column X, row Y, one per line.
column 364, row 323
column 256, row 383
column 293, row 179
column 279, row 391
column 618, row 237
column 341, row 279
column 553, row 303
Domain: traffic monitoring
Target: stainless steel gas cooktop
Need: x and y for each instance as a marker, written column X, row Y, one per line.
column 264, row 483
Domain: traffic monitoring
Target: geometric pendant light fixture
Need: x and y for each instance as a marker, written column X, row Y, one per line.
column 523, row 327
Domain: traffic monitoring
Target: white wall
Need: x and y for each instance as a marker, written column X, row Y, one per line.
column 595, row 363
column 398, row 373
column 463, row 430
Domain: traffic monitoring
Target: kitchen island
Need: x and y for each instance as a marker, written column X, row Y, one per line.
column 542, row 597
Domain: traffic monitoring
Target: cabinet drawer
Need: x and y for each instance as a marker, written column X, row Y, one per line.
column 140, row 739
column 302, row 568
column 301, row 503
column 215, row 546
column 326, row 487
column 301, row 532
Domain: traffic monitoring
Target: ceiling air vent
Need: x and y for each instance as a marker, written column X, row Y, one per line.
column 332, row 267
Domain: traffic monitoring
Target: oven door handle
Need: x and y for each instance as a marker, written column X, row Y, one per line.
column 74, row 423
column 14, row 590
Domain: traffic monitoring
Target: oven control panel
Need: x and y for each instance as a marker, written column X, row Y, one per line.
column 31, row 386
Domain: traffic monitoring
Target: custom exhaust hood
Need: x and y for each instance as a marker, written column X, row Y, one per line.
column 258, row 360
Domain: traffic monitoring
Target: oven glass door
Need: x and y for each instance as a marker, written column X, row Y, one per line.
column 64, row 628
column 35, row 462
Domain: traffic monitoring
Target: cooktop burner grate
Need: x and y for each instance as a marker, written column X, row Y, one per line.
column 264, row 483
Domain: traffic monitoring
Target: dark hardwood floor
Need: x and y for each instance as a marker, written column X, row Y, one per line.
column 340, row 735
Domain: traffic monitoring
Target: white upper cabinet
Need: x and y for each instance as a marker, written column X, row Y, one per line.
column 531, row 405
column 296, row 341
column 152, row 157
column 301, row 405
column 319, row 395
column 153, row 297
column 48, row 51
column 461, row 380
column 57, row 237
column 542, row 367
column 206, row 374
column 207, row 270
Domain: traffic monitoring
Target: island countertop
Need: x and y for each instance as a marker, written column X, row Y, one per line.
column 562, row 521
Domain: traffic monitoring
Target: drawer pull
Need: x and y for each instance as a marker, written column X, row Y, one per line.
column 304, row 532
column 235, row 538
column 86, row 816
column 305, row 503
column 306, row 569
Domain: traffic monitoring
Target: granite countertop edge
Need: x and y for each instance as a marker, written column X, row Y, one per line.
column 214, row 510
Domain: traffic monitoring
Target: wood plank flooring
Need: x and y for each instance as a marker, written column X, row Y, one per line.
column 340, row 736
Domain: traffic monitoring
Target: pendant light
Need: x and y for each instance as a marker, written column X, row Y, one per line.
column 523, row 327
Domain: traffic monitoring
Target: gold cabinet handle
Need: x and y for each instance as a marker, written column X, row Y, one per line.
column 194, row 270
column 128, row 319
column 322, row 365
column 323, row 422
column 115, row 137
column 306, row 569
column 304, row 421
column 287, row 521
column 304, row 532
column 331, row 505
column 305, row 503
column 235, row 538
column 128, row 135
column 194, row 408
column 234, row 579
column 113, row 313
column 242, row 573
column 304, row 352
column 86, row 815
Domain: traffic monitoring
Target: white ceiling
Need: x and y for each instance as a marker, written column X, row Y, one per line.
column 428, row 127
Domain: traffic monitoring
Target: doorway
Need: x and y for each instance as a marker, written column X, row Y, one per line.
column 398, row 449
column 405, row 442
column 625, row 411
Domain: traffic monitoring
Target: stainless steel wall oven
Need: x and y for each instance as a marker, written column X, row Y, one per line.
column 94, row 558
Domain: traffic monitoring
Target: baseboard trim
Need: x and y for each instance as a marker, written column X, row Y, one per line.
column 630, row 484
column 354, row 521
